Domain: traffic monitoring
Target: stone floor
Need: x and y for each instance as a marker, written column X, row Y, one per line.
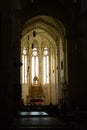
column 39, row 120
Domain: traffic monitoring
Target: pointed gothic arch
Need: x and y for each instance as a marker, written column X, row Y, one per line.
column 48, row 36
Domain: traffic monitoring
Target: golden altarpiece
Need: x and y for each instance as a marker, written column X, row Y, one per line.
column 36, row 94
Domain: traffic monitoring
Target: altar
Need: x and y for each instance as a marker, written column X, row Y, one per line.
column 36, row 94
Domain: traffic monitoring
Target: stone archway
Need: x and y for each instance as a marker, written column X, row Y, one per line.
column 44, row 32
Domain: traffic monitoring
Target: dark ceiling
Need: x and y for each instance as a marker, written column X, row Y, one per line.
column 60, row 8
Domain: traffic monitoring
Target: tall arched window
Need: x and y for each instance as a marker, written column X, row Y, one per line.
column 24, row 66
column 35, row 64
column 45, row 66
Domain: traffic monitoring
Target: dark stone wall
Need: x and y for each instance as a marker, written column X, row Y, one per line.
column 5, row 64
column 9, row 64
column 83, row 60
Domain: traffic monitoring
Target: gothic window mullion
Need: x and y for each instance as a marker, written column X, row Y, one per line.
column 24, row 67
column 34, row 63
column 46, row 66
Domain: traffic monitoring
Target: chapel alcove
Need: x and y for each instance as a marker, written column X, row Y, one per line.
column 44, row 58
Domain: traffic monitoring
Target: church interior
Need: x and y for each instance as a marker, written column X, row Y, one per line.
column 43, row 60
